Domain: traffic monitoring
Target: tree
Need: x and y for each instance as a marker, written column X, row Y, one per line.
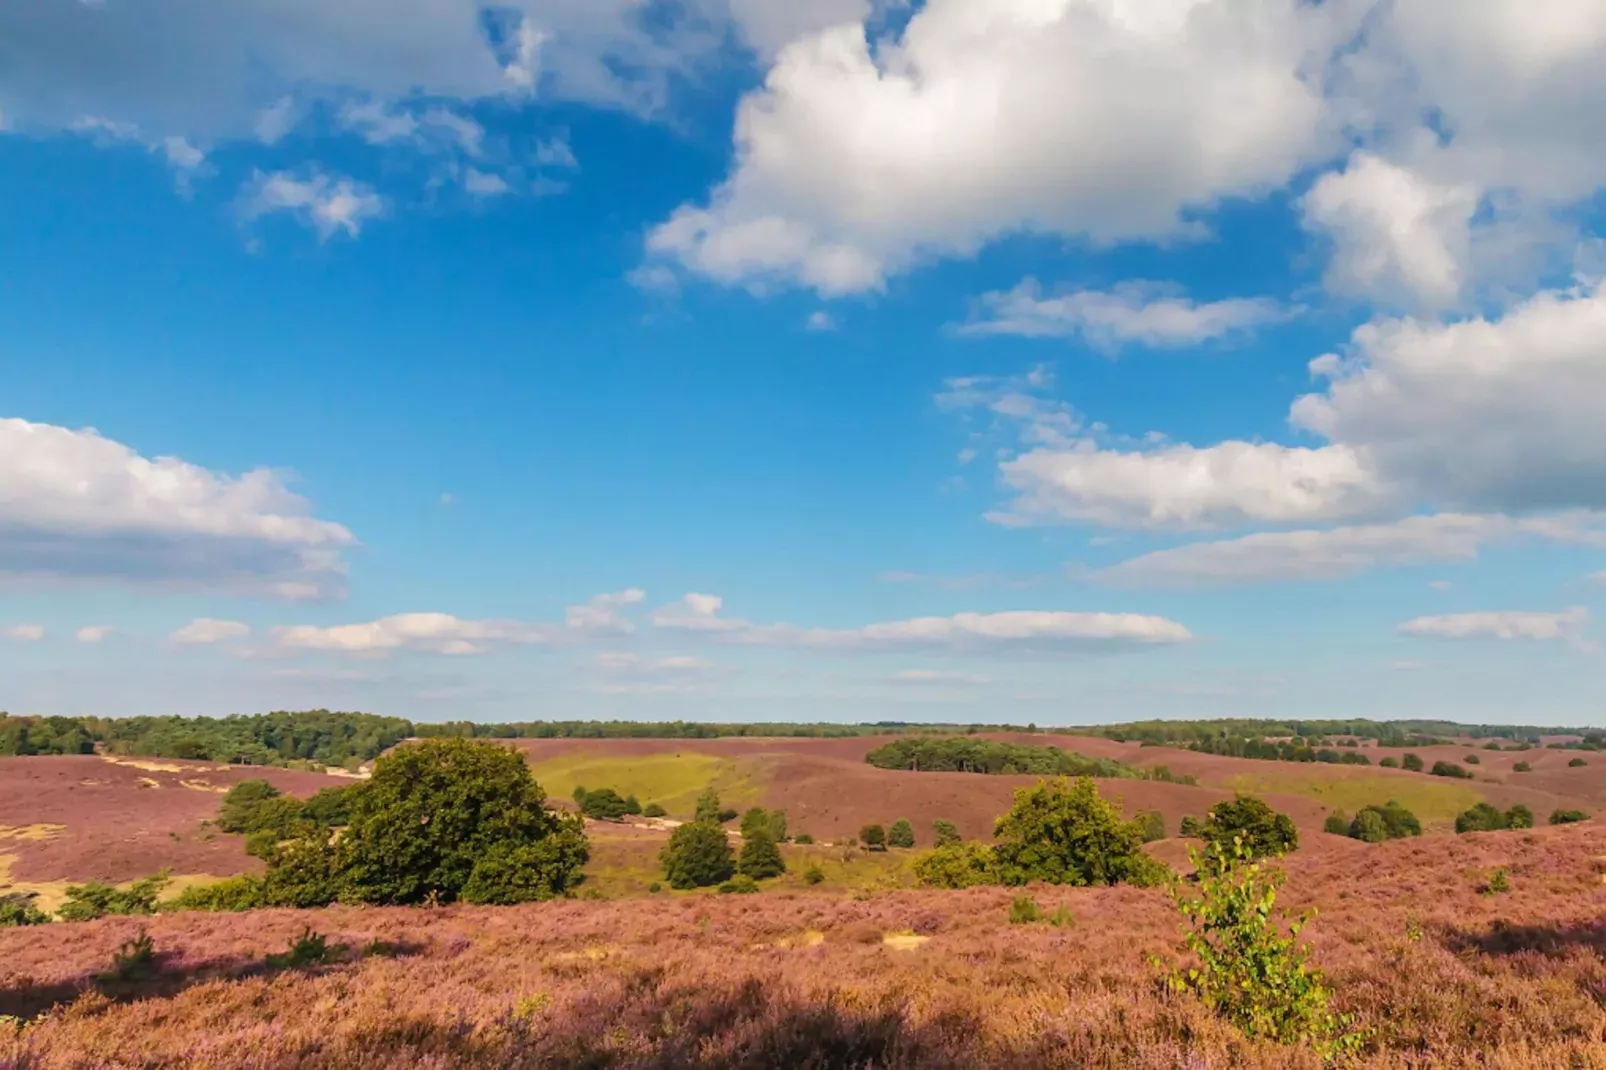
column 1368, row 826
column 708, row 807
column 432, row 811
column 238, row 812
column 874, row 838
column 511, row 872
column 1152, row 822
column 697, row 855
column 754, row 822
column 328, row 807
column 1412, row 763
column 1451, row 769
column 778, row 825
column 1263, row 830
column 1519, row 817
column 1390, row 763
column 1481, row 818
column 1191, row 828
column 761, row 859
column 957, row 865
column 605, row 804
column 945, row 833
column 902, row 834
column 1337, row 823
column 1064, row 832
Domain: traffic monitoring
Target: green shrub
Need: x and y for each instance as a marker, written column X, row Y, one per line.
column 135, row 959
column 605, row 804
column 1412, row 762
column 698, row 855
column 874, row 838
column 1452, row 770
column 957, row 865
column 902, row 834
column 1368, row 827
column 435, row 811
column 654, row 810
column 761, row 859
column 1482, row 817
column 1473, row 759
column 944, row 833
column 708, row 808
column 741, row 884
column 1567, row 817
column 1577, row 763
column 1023, row 911
column 1498, row 883
column 1337, row 823
column 308, row 949
column 1522, row 767
column 1064, row 832
column 1249, row 973
column 328, row 808
column 237, row 813
column 1263, row 830
column 803, row 838
column 1519, row 817
column 755, row 821
column 18, row 909
column 654, row 888
column 1390, row 763
column 86, row 902
column 778, row 828
column 245, row 892
column 813, row 875
column 1392, row 822
column 1191, row 828
column 1152, row 825
column 1062, row 918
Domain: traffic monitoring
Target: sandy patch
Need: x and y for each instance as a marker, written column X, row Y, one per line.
column 203, row 785
column 904, row 941
column 30, row 832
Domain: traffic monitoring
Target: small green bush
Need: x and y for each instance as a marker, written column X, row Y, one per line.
column 803, row 838
column 1191, row 828
column 1567, row 817
column 308, row 949
column 741, row 884
column 18, row 909
column 957, row 865
column 654, row 810
column 726, row 815
column 1368, row 827
column 1522, row 767
column 1452, row 770
column 1390, row 763
column 654, row 888
column 1577, row 763
column 604, row 804
column 1473, row 759
column 135, row 959
column 813, row 875
column 86, row 902
column 1152, row 824
column 874, row 838
column 1337, row 823
column 244, row 892
column 902, row 834
column 1519, row 817
column 1482, row 817
column 1262, row 830
column 1499, row 883
column 237, row 813
column 1023, row 911
column 1411, row 763
column 755, row 821
column 944, row 833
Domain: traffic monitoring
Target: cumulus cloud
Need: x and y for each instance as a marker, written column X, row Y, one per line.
column 1343, row 551
column 1566, row 625
column 1020, row 629
column 853, row 161
column 602, row 613
column 23, row 633
column 327, row 204
column 438, row 633
column 1155, row 315
column 93, row 633
column 204, row 631
column 79, row 506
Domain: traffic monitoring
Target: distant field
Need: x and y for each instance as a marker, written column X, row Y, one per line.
column 672, row 779
column 1434, row 800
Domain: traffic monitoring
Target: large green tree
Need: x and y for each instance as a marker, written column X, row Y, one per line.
column 435, row 810
column 1262, row 830
column 1064, row 832
column 697, row 855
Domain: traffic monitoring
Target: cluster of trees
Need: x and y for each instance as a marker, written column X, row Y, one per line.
column 605, row 804
column 1059, row 832
column 438, row 821
column 699, row 853
column 1297, row 749
column 1484, row 817
column 961, row 754
column 1374, row 824
column 1409, row 733
column 44, row 735
column 642, row 730
column 1454, row 770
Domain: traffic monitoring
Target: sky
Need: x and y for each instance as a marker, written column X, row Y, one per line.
column 1055, row 361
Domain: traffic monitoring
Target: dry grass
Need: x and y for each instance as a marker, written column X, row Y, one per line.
column 1440, row 974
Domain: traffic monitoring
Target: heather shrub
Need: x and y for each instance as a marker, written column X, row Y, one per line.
column 803, row 838
column 1522, row 767
column 18, row 909
column 1152, row 825
column 245, row 892
column 1337, row 823
column 957, row 865
column 944, row 833
column 1249, row 972
column 874, row 838
column 741, row 884
column 697, row 855
column 761, row 859
column 1262, row 830
column 1519, row 817
column 1064, row 832
column 813, row 875
column 1577, row 763
column 654, row 810
column 510, row 872
column 433, row 811
column 1412, row 762
column 902, row 834
column 1567, row 817
column 1390, row 763
column 86, row 902
column 1023, row 911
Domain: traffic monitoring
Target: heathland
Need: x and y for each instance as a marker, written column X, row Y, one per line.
column 1437, row 950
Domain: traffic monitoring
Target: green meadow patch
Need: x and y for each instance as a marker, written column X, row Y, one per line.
column 672, row 780
column 1434, row 802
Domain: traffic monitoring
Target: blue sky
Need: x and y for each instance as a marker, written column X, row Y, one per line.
column 1056, row 361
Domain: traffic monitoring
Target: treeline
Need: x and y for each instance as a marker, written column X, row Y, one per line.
column 1298, row 749
column 1408, row 733
column 960, row 754
column 312, row 737
column 669, row 730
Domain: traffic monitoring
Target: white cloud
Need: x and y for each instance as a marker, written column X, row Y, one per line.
column 1021, row 629
column 1336, row 552
column 439, row 633
column 23, row 633
column 275, row 120
column 1155, row 315
column 853, row 163
column 93, row 633
column 206, row 630
column 926, row 677
column 1566, row 625
column 820, row 320
column 630, row 674
column 1398, row 236
column 328, row 205
column 79, row 506
column 602, row 613
column 187, row 161
column 484, row 183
